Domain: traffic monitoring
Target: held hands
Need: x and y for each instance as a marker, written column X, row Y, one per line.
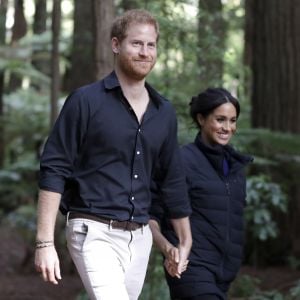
column 47, row 263
column 176, row 261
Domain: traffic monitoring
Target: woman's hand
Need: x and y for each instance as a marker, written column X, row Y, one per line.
column 171, row 262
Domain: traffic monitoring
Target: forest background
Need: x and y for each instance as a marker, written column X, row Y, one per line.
column 251, row 47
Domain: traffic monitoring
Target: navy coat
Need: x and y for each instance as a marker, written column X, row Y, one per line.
column 217, row 222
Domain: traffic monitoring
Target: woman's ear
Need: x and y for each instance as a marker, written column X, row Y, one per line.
column 200, row 120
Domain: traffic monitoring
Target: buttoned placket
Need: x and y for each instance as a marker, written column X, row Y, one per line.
column 135, row 171
column 137, row 155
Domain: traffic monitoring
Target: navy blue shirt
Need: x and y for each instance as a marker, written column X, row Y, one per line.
column 101, row 159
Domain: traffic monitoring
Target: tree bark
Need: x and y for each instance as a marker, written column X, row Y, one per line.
column 211, row 40
column 3, row 10
column 130, row 4
column 82, row 65
column 20, row 25
column 273, row 52
column 39, row 59
column 103, row 16
column 40, row 16
column 55, row 74
column 19, row 30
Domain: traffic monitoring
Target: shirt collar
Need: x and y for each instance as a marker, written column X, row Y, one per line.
column 111, row 82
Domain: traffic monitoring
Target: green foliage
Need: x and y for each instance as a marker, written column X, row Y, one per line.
column 9, row 197
column 268, row 295
column 295, row 291
column 244, row 286
column 271, row 144
column 293, row 262
column 24, row 219
column 265, row 203
column 82, row 296
column 26, row 124
column 263, row 198
column 248, row 287
column 17, row 186
column 177, row 52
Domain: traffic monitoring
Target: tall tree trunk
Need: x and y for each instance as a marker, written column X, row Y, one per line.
column 19, row 30
column 3, row 10
column 272, row 50
column 40, row 16
column 82, row 66
column 166, row 47
column 103, row 16
column 20, row 25
column 273, row 46
column 39, row 60
column 211, row 40
column 55, row 75
column 130, row 4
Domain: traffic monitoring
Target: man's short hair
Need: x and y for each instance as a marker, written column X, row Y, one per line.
column 133, row 16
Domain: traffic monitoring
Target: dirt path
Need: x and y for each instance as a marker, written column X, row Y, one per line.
column 31, row 287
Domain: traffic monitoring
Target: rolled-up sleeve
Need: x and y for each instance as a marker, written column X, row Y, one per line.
column 62, row 146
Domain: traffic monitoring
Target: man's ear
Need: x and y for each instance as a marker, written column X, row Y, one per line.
column 115, row 45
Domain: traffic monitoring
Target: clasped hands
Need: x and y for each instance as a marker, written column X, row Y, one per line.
column 176, row 261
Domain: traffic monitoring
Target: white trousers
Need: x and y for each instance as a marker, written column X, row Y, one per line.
column 112, row 263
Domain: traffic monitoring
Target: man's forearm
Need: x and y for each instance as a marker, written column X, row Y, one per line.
column 48, row 204
column 183, row 230
column 160, row 241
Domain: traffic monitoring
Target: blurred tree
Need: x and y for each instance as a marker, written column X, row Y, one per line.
column 130, row 4
column 19, row 30
column 3, row 10
column 82, row 49
column 211, row 41
column 272, row 45
column 40, row 17
column 55, row 73
column 40, row 55
column 103, row 16
column 91, row 44
column 272, row 52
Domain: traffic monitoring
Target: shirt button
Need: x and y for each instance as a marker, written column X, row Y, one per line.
column 139, row 129
column 132, row 218
column 138, row 152
column 132, row 198
column 136, row 176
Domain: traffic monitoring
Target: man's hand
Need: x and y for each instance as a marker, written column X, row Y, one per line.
column 175, row 258
column 46, row 259
column 172, row 261
column 47, row 263
column 183, row 231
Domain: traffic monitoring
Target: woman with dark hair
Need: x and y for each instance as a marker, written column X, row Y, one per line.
column 217, row 189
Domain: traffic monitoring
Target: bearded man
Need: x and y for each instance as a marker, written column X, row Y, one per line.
column 97, row 167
